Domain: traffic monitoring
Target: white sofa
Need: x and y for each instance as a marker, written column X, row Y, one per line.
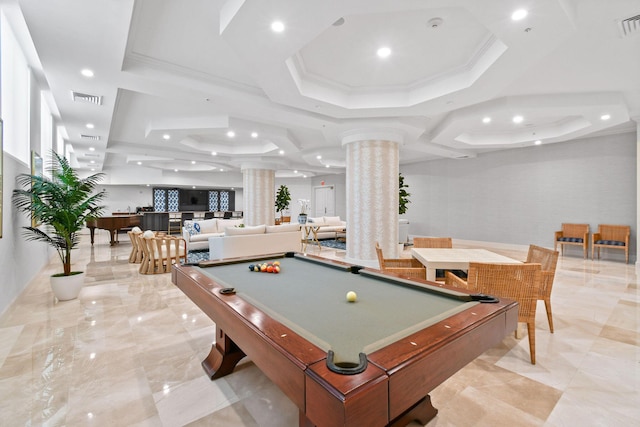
column 255, row 240
column 330, row 226
column 197, row 232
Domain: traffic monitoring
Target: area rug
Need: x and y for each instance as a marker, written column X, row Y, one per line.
column 334, row 244
column 197, row 256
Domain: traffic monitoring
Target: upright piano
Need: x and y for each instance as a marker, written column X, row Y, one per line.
column 113, row 224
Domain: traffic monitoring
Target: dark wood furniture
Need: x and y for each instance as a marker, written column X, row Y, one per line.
column 308, row 293
column 113, row 224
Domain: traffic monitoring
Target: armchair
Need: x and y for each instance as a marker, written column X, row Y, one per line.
column 160, row 252
column 572, row 234
column 408, row 267
column 548, row 261
column 519, row 282
column 612, row 237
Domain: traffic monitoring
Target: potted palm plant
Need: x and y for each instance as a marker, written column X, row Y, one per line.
column 283, row 198
column 61, row 205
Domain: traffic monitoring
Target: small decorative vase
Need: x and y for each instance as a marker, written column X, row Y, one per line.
column 302, row 219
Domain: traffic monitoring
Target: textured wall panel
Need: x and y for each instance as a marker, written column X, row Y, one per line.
column 258, row 196
column 372, row 199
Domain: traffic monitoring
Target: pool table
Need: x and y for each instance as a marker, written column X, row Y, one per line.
column 371, row 362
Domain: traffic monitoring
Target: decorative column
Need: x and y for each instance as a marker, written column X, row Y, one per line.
column 372, row 193
column 637, row 120
column 258, row 194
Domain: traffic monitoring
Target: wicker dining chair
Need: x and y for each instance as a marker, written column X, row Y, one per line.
column 548, row 259
column 519, row 282
column 408, row 267
column 432, row 242
column 435, row 242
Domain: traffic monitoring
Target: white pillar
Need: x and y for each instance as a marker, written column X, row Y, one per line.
column 637, row 120
column 258, row 195
column 372, row 194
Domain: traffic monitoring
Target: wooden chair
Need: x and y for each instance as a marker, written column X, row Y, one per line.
column 161, row 252
column 548, row 261
column 136, row 251
column 611, row 237
column 408, row 267
column 434, row 242
column 519, row 282
column 572, row 234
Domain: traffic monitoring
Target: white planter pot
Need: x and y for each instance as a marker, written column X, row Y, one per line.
column 67, row 287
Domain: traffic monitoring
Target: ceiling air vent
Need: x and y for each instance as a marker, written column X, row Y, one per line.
column 629, row 26
column 90, row 137
column 86, row 98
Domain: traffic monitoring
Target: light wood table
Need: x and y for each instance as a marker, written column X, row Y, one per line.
column 455, row 259
column 310, row 233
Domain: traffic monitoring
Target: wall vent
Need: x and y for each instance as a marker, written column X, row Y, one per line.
column 90, row 137
column 629, row 26
column 86, row 98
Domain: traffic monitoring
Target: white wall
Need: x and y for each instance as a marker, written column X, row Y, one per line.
column 522, row 195
column 20, row 260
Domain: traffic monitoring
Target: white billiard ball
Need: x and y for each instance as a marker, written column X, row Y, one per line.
column 351, row 296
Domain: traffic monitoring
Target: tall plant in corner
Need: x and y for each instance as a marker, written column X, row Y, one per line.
column 62, row 204
column 403, row 196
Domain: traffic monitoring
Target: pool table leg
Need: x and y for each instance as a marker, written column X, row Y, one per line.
column 223, row 357
column 423, row 412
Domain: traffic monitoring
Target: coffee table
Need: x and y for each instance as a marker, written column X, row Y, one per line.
column 455, row 259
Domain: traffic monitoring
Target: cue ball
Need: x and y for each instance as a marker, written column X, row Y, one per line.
column 351, row 296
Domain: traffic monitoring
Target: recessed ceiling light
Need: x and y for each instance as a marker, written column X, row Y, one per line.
column 605, row 117
column 93, row 169
column 213, row 153
column 139, row 163
column 92, row 149
column 384, row 52
column 231, row 134
column 519, row 14
column 221, row 170
column 295, row 171
column 326, row 166
column 486, row 120
column 538, row 142
column 517, row 119
column 304, row 176
column 318, row 157
column 193, row 162
column 90, row 125
column 281, row 152
column 92, row 162
column 175, row 170
column 254, row 134
column 166, row 136
column 277, row 26
column 86, row 72
column 193, row 186
column 148, row 185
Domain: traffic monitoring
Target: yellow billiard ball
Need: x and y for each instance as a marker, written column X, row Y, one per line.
column 351, row 296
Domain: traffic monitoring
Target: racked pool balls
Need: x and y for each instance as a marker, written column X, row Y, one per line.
column 267, row 267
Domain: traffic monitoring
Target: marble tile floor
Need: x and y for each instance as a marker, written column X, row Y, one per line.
column 127, row 352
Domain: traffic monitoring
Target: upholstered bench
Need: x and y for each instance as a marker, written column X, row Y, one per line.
column 612, row 237
column 572, row 234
